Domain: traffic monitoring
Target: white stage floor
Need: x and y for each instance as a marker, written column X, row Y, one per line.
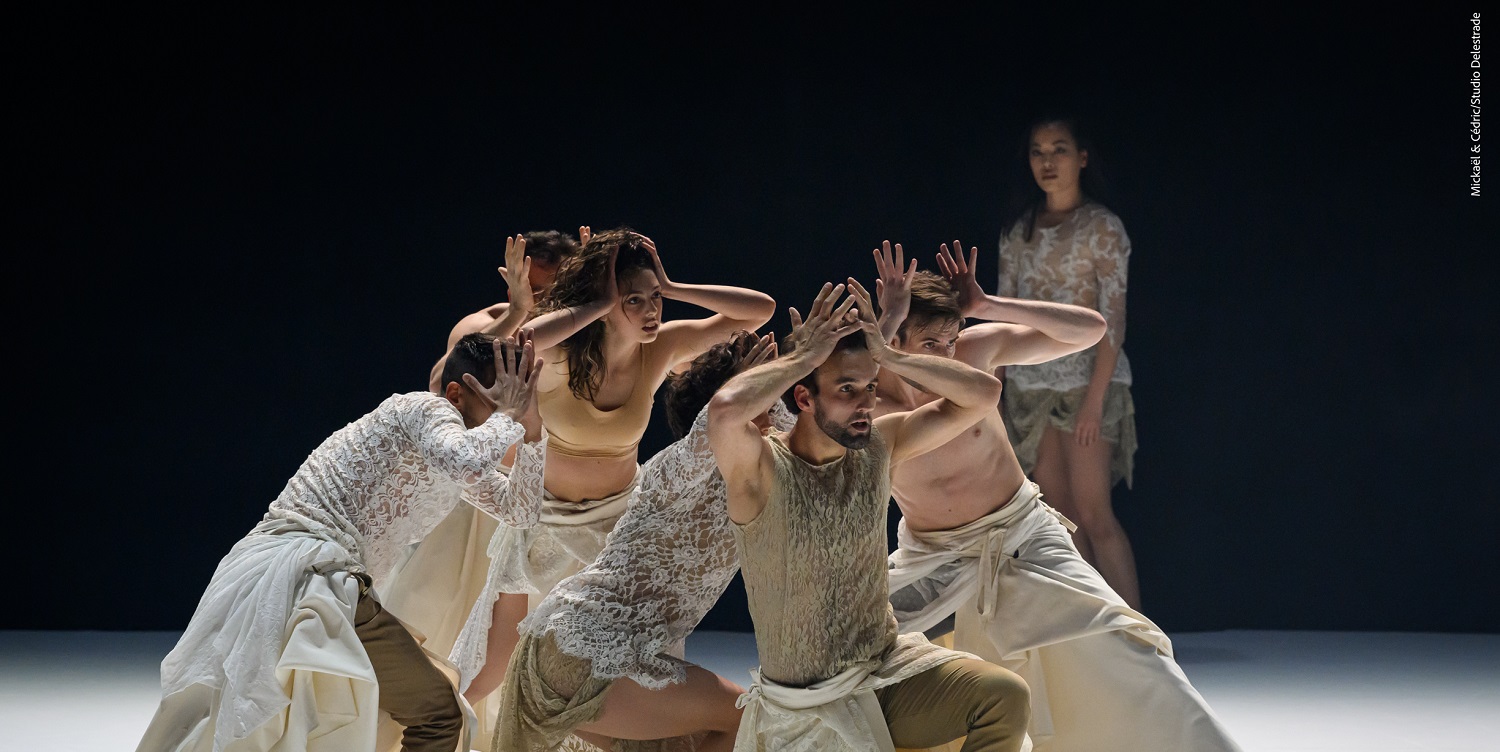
column 1276, row 691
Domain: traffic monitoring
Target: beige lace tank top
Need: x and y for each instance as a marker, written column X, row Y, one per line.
column 814, row 563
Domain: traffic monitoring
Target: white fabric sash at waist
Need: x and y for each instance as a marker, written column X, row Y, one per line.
column 838, row 714
column 982, row 541
column 842, row 704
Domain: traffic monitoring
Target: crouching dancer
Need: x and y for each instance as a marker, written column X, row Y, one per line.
column 810, row 512
column 289, row 647
column 978, row 546
column 598, row 657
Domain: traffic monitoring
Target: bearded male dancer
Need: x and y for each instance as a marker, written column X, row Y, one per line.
column 809, row 508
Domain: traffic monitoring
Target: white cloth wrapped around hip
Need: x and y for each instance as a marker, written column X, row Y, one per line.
column 533, row 560
column 839, row 714
column 1022, row 597
column 273, row 642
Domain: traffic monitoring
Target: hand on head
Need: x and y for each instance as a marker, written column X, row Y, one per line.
column 960, row 273
column 517, row 273
column 864, row 318
column 611, row 291
column 661, row 272
column 827, row 322
column 760, row 353
column 517, row 370
column 892, row 285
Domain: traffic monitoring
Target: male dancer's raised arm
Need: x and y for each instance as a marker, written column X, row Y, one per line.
column 968, row 394
column 742, row 455
column 1026, row 332
column 521, row 301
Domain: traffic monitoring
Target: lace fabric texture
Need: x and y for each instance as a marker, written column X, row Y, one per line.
column 382, row 482
column 814, row 564
column 667, row 561
column 285, row 596
column 1082, row 262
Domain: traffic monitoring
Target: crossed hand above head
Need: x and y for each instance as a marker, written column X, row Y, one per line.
column 517, row 371
column 828, row 321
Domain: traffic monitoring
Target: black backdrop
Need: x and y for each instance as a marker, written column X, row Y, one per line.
column 238, row 233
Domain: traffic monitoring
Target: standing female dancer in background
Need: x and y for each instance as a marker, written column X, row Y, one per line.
column 1072, row 419
column 605, row 350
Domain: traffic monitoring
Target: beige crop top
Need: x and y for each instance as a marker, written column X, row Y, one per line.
column 575, row 428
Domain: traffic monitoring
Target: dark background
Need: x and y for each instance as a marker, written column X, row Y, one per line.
column 236, row 233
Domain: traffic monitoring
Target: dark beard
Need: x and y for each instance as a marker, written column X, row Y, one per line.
column 841, row 434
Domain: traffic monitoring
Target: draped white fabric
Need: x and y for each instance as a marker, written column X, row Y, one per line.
column 270, row 659
column 1101, row 674
column 839, row 714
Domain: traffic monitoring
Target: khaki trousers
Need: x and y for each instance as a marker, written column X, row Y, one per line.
column 989, row 704
column 412, row 690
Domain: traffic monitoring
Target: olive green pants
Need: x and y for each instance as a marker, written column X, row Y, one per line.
column 964, row 697
column 412, row 690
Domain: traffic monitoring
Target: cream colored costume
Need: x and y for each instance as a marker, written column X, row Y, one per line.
column 1083, row 262
column 627, row 614
column 469, row 558
column 1101, row 674
column 270, row 659
column 814, row 566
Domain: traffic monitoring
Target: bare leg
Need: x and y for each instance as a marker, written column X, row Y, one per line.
column 1088, row 479
column 705, row 702
column 509, row 610
column 1051, row 473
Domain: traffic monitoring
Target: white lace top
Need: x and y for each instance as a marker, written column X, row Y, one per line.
column 667, row 561
column 1082, row 261
column 384, row 481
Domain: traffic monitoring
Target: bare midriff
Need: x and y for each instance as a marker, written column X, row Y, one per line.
column 583, row 478
column 592, row 452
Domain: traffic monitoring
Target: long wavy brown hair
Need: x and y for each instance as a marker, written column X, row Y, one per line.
column 688, row 392
column 580, row 280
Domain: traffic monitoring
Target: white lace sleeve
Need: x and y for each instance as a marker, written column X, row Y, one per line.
column 782, row 419
column 666, row 562
column 1109, row 247
column 464, row 456
column 514, row 499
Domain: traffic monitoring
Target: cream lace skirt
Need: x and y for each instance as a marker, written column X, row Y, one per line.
column 1028, row 412
column 548, row 693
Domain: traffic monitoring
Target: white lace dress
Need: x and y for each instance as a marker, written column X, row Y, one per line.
column 1082, row 262
column 665, row 564
column 278, row 613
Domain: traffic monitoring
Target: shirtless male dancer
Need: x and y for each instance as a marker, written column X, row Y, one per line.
column 809, row 508
column 978, row 544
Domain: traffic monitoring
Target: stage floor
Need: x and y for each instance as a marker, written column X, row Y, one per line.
column 1276, row 691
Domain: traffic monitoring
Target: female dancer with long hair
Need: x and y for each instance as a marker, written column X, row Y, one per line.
column 1072, row 419
column 605, row 350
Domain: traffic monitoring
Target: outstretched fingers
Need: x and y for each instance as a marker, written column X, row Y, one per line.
column 842, row 312
column 824, row 293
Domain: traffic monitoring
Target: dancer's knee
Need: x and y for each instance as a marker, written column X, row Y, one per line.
column 440, row 726
column 1004, row 699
